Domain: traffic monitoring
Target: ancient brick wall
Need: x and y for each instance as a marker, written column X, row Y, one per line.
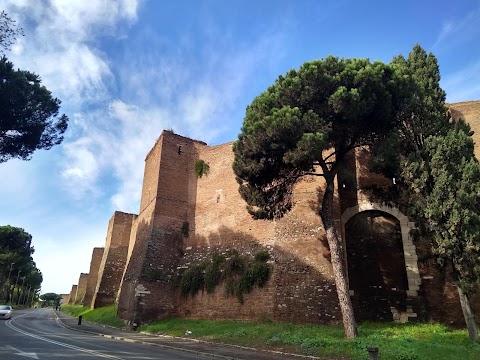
column 65, row 299
column 113, row 260
column 439, row 295
column 301, row 285
column 81, row 288
column 219, row 222
column 469, row 111
column 73, row 295
column 95, row 262
column 158, row 241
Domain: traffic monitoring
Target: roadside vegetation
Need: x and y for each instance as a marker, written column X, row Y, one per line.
column 395, row 341
column 106, row 315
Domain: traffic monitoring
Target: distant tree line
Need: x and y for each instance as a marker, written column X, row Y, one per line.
column 50, row 299
column 19, row 276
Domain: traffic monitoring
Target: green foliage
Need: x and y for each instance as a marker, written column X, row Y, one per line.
column 75, row 310
column 51, row 299
column 152, row 274
column 439, row 175
column 256, row 273
column 421, row 100
column 450, row 192
column 9, row 32
column 239, row 273
column 192, row 280
column 16, row 260
column 106, row 315
column 262, row 256
column 385, row 156
column 213, row 272
column 201, row 168
column 185, row 229
column 333, row 103
column 395, row 341
column 235, row 265
column 306, row 124
column 29, row 116
column 14, row 239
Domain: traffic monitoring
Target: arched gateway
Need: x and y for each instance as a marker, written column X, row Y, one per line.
column 381, row 261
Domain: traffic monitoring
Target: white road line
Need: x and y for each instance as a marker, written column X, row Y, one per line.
column 21, row 353
column 11, row 326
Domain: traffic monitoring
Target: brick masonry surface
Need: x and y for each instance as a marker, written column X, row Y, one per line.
column 114, row 258
column 73, row 295
column 95, row 263
column 65, row 298
column 185, row 219
column 81, row 288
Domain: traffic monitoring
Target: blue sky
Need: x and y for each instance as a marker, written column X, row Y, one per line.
column 127, row 69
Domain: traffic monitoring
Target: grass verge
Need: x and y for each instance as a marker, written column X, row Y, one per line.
column 395, row 341
column 106, row 315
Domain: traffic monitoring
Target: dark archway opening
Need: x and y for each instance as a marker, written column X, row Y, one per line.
column 376, row 266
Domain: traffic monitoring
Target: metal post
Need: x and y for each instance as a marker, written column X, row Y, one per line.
column 373, row 353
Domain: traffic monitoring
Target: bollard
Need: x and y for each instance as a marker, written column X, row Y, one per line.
column 80, row 320
column 372, row 353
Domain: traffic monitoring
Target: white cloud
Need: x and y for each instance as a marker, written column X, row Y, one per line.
column 117, row 148
column 457, row 31
column 60, row 44
column 82, row 173
column 118, row 110
column 165, row 93
column 463, row 85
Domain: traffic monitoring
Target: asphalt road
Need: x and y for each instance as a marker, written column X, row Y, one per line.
column 36, row 334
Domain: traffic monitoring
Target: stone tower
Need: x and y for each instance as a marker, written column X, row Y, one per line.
column 114, row 259
column 97, row 254
column 156, row 241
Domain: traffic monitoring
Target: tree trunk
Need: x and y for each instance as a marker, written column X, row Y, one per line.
column 339, row 272
column 468, row 315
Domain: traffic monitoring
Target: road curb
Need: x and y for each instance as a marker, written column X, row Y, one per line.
column 121, row 338
column 197, row 352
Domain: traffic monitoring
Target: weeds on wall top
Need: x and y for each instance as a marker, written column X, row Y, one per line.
column 240, row 273
column 201, row 168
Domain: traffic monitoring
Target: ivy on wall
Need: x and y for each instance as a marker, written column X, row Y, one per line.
column 240, row 273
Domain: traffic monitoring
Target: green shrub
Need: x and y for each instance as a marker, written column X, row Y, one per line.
column 152, row 274
column 201, row 168
column 213, row 273
column 192, row 280
column 260, row 273
column 240, row 273
column 262, row 256
column 185, row 229
column 235, row 265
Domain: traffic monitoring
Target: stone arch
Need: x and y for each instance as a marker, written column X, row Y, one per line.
column 409, row 249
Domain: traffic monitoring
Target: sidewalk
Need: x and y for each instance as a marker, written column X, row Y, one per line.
column 194, row 346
